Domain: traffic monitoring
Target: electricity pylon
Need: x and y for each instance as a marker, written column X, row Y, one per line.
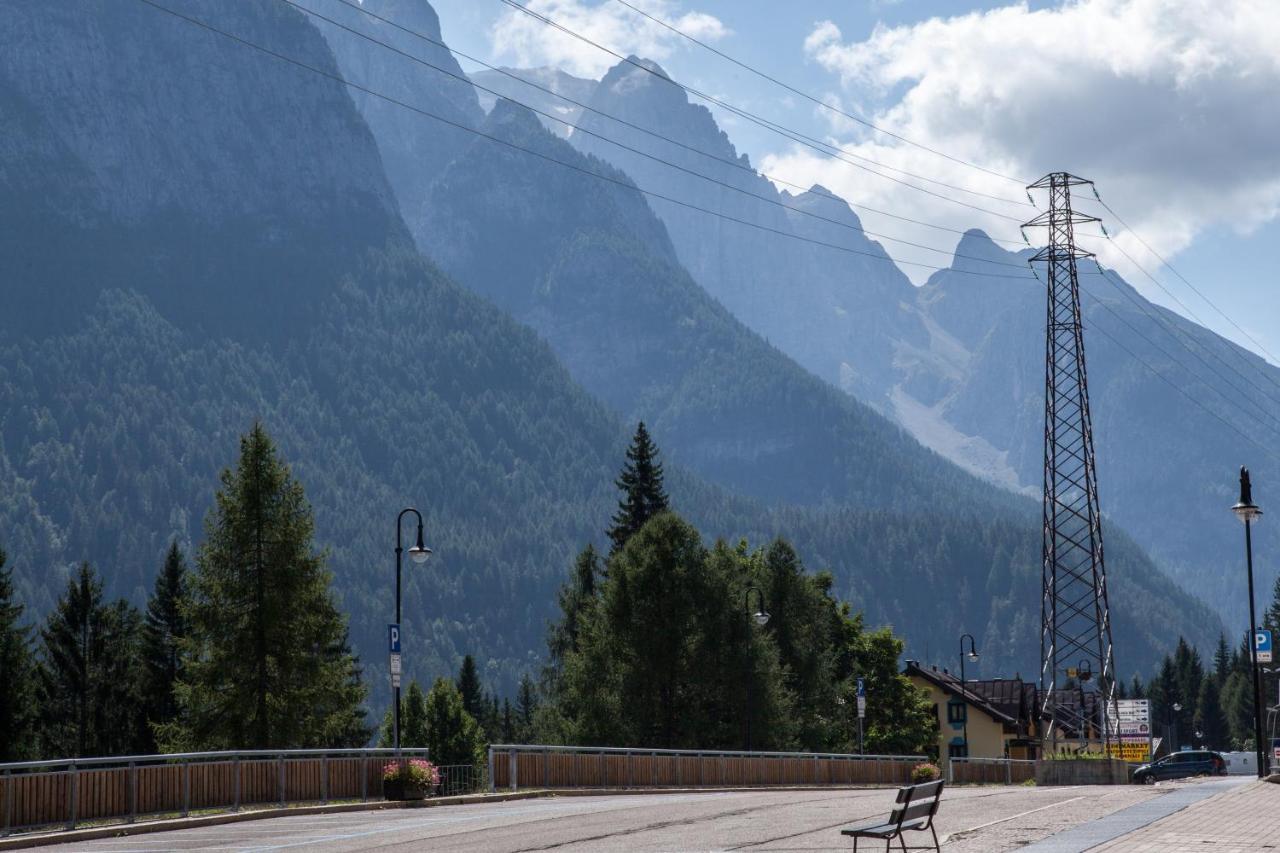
column 1075, row 637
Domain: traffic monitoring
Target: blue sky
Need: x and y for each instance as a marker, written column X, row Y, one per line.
column 1172, row 106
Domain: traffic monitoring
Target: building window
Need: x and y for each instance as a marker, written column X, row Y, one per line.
column 956, row 712
column 958, row 750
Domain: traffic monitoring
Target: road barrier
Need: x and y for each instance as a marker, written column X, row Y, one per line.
column 67, row 792
column 990, row 771
column 513, row 766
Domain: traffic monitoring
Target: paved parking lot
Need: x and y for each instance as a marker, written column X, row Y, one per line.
column 985, row 819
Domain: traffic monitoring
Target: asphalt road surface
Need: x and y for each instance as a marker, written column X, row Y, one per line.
column 980, row 818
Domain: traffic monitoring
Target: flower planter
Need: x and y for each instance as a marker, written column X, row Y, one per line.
column 399, row 789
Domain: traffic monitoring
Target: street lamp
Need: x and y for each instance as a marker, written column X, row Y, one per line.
column 973, row 655
column 761, row 618
column 1248, row 512
column 419, row 554
column 1173, row 726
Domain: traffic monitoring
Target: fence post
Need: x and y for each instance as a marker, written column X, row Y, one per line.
column 631, row 769
column 512, row 766
column 8, row 802
column 235, row 769
column 1008, row 772
column 653, row 769
column 546, row 768
column 282, row 797
column 324, row 779
column 133, row 792
column 73, row 794
column 364, row 776
column 186, row 787
column 492, row 787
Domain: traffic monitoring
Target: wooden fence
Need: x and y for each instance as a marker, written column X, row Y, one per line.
column 47, row 793
column 525, row 766
column 990, row 771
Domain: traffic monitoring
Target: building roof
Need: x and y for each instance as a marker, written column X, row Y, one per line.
column 992, row 700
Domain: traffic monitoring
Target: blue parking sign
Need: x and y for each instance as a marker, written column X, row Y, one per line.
column 1262, row 643
column 393, row 639
column 862, row 688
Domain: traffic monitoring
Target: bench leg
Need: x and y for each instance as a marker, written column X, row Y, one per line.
column 936, row 846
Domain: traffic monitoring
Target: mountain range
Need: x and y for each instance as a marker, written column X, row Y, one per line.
column 424, row 314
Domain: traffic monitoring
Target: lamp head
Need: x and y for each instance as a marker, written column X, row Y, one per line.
column 973, row 654
column 419, row 552
column 1245, row 509
column 761, row 618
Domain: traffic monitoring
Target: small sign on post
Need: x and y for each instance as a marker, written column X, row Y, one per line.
column 1262, row 644
column 862, row 699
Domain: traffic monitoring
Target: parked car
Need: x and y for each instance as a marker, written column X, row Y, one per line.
column 1180, row 765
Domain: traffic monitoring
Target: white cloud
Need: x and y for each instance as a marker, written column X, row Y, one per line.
column 525, row 41
column 1171, row 106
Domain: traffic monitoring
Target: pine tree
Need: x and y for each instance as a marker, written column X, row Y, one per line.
column 473, row 699
column 574, row 596
column 453, row 735
column 1222, row 660
column 18, row 675
column 1210, row 720
column 90, row 674
column 643, row 495
column 508, row 723
column 526, row 707
column 413, row 721
column 162, row 632
column 268, row 664
column 1136, row 688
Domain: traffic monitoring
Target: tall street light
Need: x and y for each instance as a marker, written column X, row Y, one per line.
column 973, row 655
column 1247, row 511
column 761, row 618
column 419, row 554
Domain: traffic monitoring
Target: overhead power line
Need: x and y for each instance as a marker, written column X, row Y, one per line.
column 793, row 90
column 1194, row 289
column 821, row 147
column 771, row 201
column 595, row 110
column 539, row 155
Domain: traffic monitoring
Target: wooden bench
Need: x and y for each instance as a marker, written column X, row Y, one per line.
column 914, row 810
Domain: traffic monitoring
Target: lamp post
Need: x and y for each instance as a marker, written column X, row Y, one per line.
column 419, row 554
column 973, row 655
column 1248, row 512
column 1173, row 727
column 761, row 618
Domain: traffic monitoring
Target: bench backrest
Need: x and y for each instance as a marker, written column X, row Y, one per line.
column 916, row 801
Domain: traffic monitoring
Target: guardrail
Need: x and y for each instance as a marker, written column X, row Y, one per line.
column 990, row 771
column 538, row 766
column 67, row 792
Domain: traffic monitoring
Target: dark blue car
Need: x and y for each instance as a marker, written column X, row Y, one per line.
column 1180, row 765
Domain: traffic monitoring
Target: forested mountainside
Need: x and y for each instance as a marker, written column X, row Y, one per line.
column 1169, row 446
column 176, row 283
column 959, row 362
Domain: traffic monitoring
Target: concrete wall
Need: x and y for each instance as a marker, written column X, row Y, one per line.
column 1082, row 772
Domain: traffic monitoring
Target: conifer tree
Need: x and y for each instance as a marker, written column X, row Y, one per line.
column 17, row 675
column 1210, row 720
column 413, row 720
column 526, row 706
column 1136, row 688
column 164, row 628
column 453, row 735
column 268, row 664
column 473, row 699
column 508, row 723
column 90, row 674
column 643, row 495
column 574, row 597
column 1222, row 660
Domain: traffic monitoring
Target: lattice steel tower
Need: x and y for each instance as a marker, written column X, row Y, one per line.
column 1075, row 636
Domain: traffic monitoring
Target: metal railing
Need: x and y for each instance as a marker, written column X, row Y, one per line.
column 457, row 779
column 513, row 766
column 990, row 771
column 68, row 792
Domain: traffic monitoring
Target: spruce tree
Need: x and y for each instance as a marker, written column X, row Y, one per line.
column 643, row 495
column 1222, row 660
column 469, row 689
column 90, row 674
column 268, row 664
column 508, row 727
column 453, row 735
column 1210, row 720
column 18, row 675
column 162, row 632
column 574, row 596
column 413, row 721
column 526, row 706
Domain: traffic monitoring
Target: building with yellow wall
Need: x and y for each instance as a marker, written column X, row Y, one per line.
column 1001, row 714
